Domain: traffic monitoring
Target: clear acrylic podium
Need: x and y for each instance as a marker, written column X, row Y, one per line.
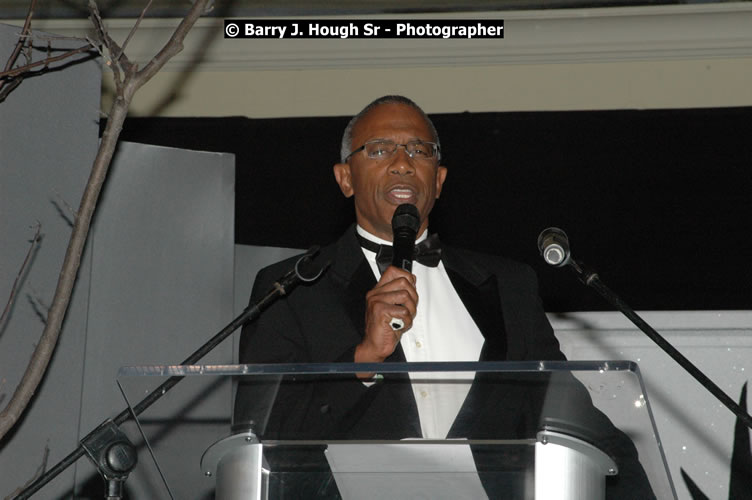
column 527, row 430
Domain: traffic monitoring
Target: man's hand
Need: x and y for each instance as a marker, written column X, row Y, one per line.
column 394, row 296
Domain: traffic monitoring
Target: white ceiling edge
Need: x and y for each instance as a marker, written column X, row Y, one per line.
column 531, row 37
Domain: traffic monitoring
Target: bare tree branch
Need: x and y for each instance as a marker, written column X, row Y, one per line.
column 117, row 54
column 114, row 62
column 174, row 46
column 44, row 62
column 47, row 37
column 21, row 40
column 37, row 304
column 9, row 87
column 132, row 81
column 67, row 212
column 40, row 470
column 135, row 27
column 14, row 288
column 98, row 23
column 22, row 36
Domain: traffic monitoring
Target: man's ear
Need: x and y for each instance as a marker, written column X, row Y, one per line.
column 344, row 178
column 441, row 174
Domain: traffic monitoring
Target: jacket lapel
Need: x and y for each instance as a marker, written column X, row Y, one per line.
column 479, row 291
column 389, row 404
column 354, row 278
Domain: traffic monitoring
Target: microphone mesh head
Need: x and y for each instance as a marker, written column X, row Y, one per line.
column 554, row 255
column 553, row 245
column 406, row 216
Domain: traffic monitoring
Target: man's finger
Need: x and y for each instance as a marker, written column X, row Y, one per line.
column 392, row 273
column 395, row 292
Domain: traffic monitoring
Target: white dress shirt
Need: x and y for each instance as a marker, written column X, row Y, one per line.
column 442, row 331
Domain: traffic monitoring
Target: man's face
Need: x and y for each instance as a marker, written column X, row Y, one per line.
column 379, row 186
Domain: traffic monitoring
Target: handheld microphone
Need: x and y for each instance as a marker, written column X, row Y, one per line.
column 553, row 245
column 405, row 224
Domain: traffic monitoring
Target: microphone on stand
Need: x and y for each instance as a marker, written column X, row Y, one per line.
column 553, row 245
column 115, row 467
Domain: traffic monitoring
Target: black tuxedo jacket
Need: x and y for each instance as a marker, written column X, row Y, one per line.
column 325, row 321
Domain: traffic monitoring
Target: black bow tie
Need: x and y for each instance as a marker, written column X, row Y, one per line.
column 427, row 252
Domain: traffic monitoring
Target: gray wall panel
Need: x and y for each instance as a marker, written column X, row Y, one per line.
column 48, row 140
column 162, row 274
column 249, row 260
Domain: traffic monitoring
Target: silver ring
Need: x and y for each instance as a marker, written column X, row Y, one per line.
column 396, row 324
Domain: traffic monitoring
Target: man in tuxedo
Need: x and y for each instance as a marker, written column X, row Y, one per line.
column 457, row 305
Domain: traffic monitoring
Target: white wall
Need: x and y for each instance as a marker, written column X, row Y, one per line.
column 617, row 58
column 697, row 432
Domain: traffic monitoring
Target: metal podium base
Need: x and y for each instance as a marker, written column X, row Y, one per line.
column 567, row 468
column 237, row 464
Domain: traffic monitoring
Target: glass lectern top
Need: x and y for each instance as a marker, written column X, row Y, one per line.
column 301, row 413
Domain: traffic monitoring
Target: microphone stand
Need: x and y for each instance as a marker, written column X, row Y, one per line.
column 590, row 278
column 109, row 448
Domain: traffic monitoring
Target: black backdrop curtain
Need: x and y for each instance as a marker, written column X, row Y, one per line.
column 657, row 201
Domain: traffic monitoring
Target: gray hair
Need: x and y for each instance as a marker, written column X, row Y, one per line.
column 387, row 99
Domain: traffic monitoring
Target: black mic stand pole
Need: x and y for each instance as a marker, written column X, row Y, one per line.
column 591, row 279
column 109, row 448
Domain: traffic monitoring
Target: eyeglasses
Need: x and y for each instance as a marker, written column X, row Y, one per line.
column 381, row 149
